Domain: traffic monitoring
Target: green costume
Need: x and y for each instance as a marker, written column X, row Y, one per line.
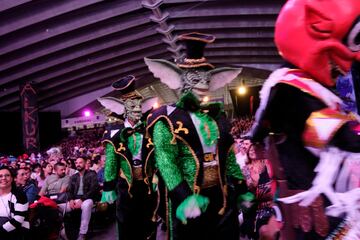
column 194, row 155
column 193, row 147
column 126, row 168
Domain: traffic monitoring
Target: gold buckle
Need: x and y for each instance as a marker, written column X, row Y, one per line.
column 208, row 157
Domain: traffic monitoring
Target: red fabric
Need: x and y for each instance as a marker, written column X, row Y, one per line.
column 310, row 34
column 45, row 202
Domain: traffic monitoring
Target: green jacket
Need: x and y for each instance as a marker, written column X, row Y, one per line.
column 121, row 145
column 178, row 151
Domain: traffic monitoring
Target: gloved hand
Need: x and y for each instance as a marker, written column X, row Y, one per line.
column 108, row 197
column 191, row 207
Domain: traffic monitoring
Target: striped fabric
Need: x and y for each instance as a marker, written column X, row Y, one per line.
column 19, row 207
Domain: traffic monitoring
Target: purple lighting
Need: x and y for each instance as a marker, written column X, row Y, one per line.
column 87, row 113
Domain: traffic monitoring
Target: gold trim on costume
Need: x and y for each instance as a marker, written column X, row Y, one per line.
column 121, row 148
column 145, row 165
column 311, row 137
column 187, row 36
column 195, row 65
column 181, row 128
column 154, row 218
column 150, row 143
column 170, row 125
column 195, row 60
column 122, row 175
column 222, row 185
column 127, row 161
column 196, row 187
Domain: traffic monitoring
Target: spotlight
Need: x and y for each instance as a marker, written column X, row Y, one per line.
column 242, row 90
column 156, row 105
column 206, row 99
column 87, row 113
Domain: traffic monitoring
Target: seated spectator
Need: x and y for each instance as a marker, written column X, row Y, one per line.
column 46, row 170
column 56, row 183
column 14, row 207
column 24, row 183
column 69, row 171
column 101, row 171
column 83, row 190
column 36, row 170
column 22, row 164
column 88, row 164
column 96, row 163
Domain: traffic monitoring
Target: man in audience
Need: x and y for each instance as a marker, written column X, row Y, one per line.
column 56, row 183
column 82, row 192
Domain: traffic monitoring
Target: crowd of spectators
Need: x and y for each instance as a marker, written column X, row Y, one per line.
column 55, row 174
column 241, row 126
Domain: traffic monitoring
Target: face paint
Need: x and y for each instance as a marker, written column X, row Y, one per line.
column 196, row 80
column 133, row 109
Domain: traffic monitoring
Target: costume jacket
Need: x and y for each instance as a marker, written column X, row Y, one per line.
column 126, row 155
column 305, row 119
column 186, row 164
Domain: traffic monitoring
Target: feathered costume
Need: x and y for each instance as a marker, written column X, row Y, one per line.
column 298, row 109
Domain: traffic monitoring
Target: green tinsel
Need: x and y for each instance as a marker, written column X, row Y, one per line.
column 134, row 143
column 208, row 128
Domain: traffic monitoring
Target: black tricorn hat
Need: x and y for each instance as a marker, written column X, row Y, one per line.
column 126, row 87
column 195, row 44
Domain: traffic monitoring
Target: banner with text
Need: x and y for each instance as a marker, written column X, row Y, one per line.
column 30, row 118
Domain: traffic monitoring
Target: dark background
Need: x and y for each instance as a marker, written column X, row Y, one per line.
column 11, row 131
column 242, row 102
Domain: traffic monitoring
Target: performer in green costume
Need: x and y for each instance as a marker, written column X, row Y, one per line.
column 126, row 168
column 193, row 148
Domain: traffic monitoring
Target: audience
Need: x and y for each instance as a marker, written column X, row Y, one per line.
column 23, row 182
column 82, row 192
column 14, row 207
column 56, row 183
column 46, row 170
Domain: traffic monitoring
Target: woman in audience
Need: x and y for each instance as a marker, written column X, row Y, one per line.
column 14, row 208
column 46, row 170
column 26, row 185
column 36, row 171
column 69, row 169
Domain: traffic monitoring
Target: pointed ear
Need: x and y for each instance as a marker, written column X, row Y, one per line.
column 222, row 76
column 112, row 104
column 148, row 104
column 166, row 71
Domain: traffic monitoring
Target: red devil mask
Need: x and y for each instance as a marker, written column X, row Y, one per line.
column 320, row 36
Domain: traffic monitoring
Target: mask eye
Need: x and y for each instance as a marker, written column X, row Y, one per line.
column 353, row 38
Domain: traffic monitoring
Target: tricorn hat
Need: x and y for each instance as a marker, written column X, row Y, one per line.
column 126, row 87
column 195, row 44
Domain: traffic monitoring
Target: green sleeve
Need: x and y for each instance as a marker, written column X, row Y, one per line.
column 111, row 164
column 110, row 174
column 232, row 168
column 166, row 156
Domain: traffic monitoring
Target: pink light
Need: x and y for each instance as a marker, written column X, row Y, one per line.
column 87, row 113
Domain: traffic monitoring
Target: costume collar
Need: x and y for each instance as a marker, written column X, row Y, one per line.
column 190, row 102
column 127, row 124
column 128, row 130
